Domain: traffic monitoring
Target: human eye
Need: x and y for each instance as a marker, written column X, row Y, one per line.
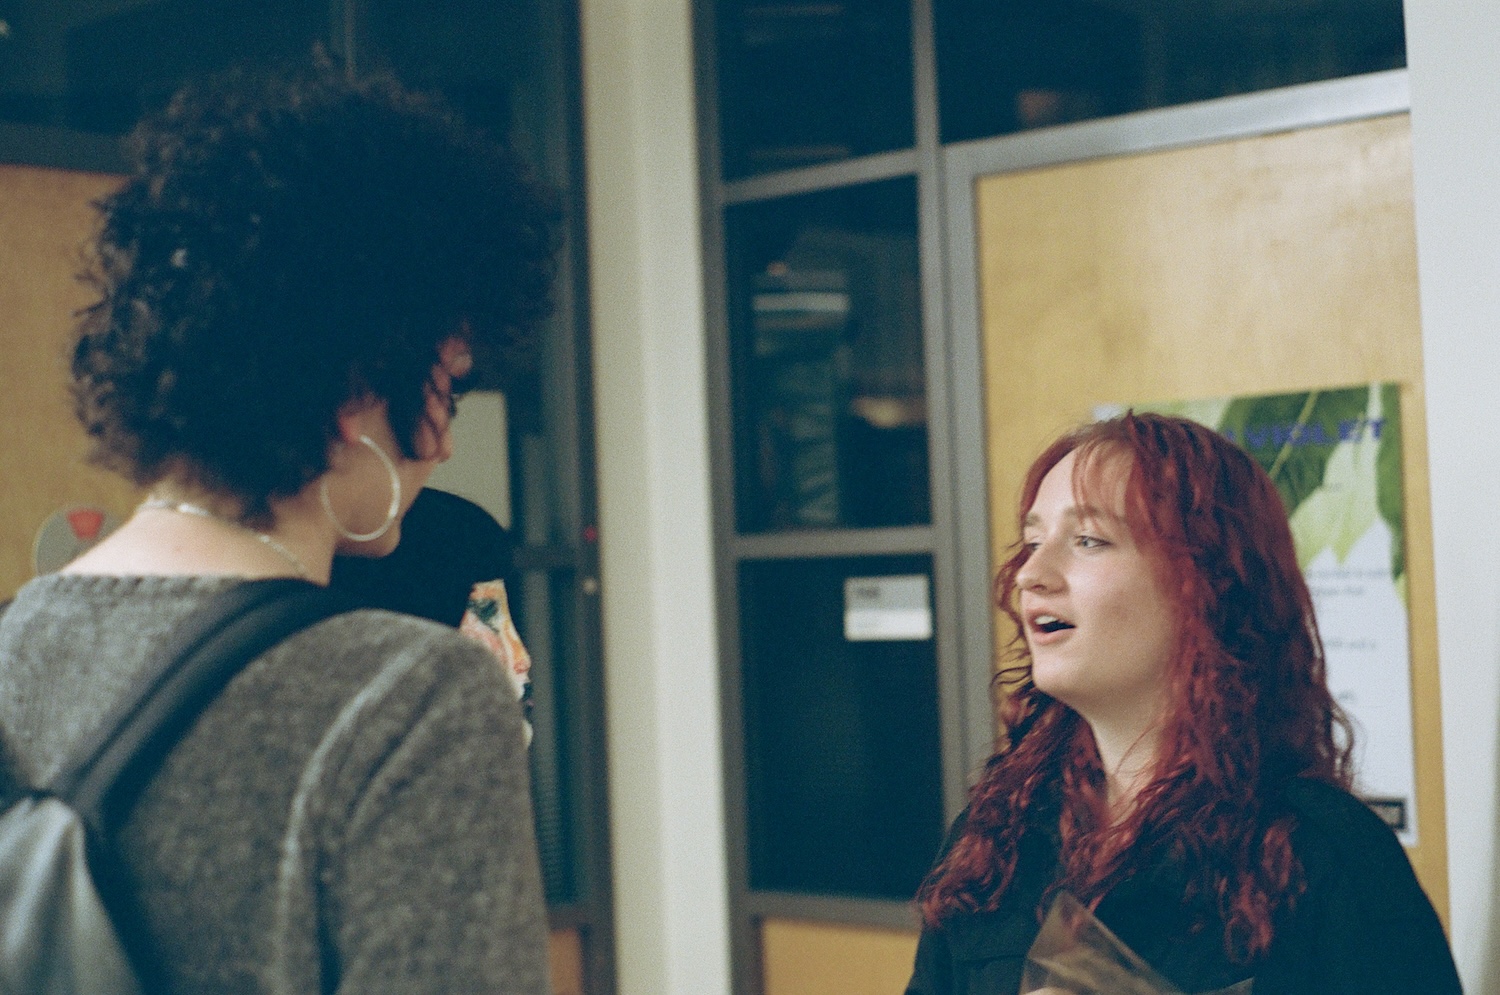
column 1085, row 540
column 444, row 393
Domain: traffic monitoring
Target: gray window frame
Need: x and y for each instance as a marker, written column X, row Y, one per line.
column 958, row 538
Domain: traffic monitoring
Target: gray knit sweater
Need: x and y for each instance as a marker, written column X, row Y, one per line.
column 352, row 813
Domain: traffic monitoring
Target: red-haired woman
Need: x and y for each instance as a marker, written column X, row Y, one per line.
column 1175, row 759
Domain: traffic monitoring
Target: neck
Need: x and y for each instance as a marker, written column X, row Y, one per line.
column 157, row 502
column 182, row 531
column 1128, row 757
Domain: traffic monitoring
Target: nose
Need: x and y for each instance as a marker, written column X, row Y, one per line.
column 1039, row 572
column 442, row 406
column 455, row 358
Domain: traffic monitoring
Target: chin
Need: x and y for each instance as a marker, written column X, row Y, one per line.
column 1049, row 679
column 375, row 548
column 1061, row 689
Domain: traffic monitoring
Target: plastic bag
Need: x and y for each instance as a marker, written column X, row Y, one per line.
column 1076, row 954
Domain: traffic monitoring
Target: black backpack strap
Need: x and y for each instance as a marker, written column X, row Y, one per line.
column 109, row 769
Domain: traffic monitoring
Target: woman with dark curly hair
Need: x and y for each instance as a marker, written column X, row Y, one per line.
column 1174, row 758
column 293, row 284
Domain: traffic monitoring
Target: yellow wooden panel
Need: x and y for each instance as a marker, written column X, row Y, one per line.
column 1265, row 265
column 44, row 219
column 565, row 952
column 818, row 958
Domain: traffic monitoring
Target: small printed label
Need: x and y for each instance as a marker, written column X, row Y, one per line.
column 896, row 608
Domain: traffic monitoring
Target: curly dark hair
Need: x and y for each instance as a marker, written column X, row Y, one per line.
column 287, row 243
column 1249, row 707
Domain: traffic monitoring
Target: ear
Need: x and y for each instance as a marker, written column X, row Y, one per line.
column 357, row 418
column 349, row 422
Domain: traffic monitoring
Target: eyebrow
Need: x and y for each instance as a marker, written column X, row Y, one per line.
column 1077, row 513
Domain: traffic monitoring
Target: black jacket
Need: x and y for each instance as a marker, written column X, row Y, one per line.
column 1363, row 926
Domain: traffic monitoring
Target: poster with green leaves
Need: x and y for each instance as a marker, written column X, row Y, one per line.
column 1335, row 455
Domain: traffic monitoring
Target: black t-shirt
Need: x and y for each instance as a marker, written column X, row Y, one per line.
column 1362, row 927
column 448, row 544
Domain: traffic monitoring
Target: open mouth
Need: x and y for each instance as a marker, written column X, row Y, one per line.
column 1050, row 623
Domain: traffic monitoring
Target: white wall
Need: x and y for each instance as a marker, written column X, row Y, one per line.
column 660, row 644
column 479, row 468
column 1455, row 94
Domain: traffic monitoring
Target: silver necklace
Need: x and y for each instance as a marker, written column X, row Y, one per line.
column 188, row 508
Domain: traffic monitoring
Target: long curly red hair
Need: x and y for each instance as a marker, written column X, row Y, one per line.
column 1249, row 707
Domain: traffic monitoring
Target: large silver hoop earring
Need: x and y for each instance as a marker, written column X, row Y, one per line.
column 390, row 514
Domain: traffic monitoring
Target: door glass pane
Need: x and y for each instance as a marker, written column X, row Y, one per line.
column 502, row 66
column 812, row 81
column 842, row 765
column 1009, row 65
column 469, row 50
column 97, row 65
column 826, row 331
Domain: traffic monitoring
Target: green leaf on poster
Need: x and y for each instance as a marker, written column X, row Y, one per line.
column 1389, row 493
column 1344, row 509
column 1334, row 455
column 1293, row 435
